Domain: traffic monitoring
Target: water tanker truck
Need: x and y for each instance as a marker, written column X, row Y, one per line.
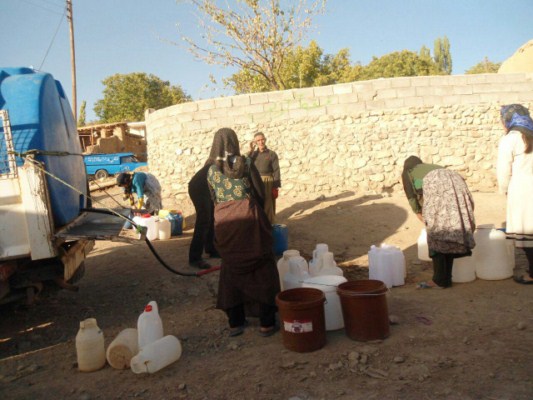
column 46, row 226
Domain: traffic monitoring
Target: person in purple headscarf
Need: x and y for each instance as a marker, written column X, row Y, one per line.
column 515, row 178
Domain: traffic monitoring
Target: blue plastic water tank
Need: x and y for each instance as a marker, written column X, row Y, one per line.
column 41, row 119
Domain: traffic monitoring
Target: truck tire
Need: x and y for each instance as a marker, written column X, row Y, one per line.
column 101, row 174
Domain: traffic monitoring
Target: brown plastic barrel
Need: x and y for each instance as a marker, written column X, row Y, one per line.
column 364, row 309
column 303, row 322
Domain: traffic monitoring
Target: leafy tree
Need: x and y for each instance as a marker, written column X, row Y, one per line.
column 443, row 57
column 82, row 116
column 127, row 96
column 303, row 67
column 399, row 63
column 337, row 69
column 254, row 36
column 484, row 67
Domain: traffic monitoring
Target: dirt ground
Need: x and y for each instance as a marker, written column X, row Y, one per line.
column 468, row 342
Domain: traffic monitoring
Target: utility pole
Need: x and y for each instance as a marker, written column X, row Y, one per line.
column 72, row 60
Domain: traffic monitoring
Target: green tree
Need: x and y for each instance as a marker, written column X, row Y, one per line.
column 127, row 96
column 254, row 36
column 82, row 116
column 399, row 63
column 443, row 56
column 484, row 67
column 302, row 67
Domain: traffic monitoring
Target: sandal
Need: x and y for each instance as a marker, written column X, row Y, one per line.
column 267, row 332
column 238, row 330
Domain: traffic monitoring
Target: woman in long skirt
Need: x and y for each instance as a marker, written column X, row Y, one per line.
column 515, row 178
column 243, row 236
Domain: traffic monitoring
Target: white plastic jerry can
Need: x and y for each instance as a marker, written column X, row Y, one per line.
column 157, row 355
column 149, row 325
column 90, row 349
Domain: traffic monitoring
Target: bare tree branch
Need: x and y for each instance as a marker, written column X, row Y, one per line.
column 254, row 35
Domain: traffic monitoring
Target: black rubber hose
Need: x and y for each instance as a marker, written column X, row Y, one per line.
column 152, row 249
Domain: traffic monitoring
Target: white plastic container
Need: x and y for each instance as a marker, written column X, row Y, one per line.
column 149, row 325
column 314, row 264
column 149, row 222
column 422, row 243
column 283, row 264
column 298, row 272
column 386, row 263
column 157, row 355
column 491, row 254
column 164, row 229
column 464, row 270
column 123, row 348
column 90, row 348
column 332, row 308
column 328, row 266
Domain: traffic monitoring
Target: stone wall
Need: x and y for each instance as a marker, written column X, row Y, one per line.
column 346, row 137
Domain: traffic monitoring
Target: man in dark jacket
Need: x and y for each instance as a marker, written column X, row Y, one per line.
column 267, row 163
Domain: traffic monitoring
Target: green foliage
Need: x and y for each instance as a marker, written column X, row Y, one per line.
column 399, row 63
column 443, row 56
column 308, row 67
column 302, row 67
column 484, row 67
column 82, row 115
column 127, row 96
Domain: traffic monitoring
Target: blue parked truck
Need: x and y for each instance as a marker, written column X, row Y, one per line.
column 46, row 225
column 100, row 166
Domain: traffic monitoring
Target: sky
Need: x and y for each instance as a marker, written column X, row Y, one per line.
column 125, row 36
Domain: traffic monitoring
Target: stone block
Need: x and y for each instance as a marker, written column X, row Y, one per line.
column 185, row 107
column 210, row 124
column 386, row 94
column 413, row 101
column 394, row 103
column 207, row 104
column 342, row 88
column 405, row 92
column 417, row 81
column 321, row 91
column 200, row 116
column 281, row 95
column 382, row 83
column 433, row 101
column 223, row 102
column 348, row 98
column 192, row 126
column 259, row 98
column 441, row 80
column 367, row 95
column 402, row 82
column 328, row 100
column 241, row 100
column 306, row 93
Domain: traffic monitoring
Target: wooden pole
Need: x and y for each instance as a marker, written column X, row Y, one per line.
column 72, row 61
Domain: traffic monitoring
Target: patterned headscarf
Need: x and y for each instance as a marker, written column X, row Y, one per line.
column 516, row 117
